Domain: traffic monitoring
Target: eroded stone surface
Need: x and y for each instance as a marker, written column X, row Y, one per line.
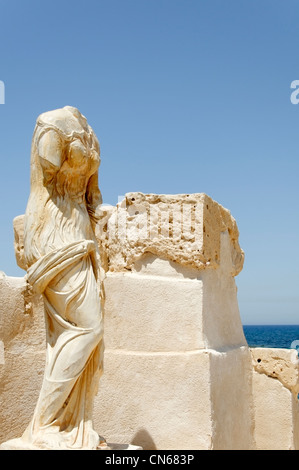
column 18, row 226
column 184, row 228
column 280, row 364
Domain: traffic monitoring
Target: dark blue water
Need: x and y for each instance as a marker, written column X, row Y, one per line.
column 271, row 336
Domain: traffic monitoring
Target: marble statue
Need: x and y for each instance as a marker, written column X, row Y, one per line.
column 62, row 262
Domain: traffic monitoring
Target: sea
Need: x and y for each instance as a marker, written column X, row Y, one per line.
column 272, row 336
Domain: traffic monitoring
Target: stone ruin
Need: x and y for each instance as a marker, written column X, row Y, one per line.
column 178, row 373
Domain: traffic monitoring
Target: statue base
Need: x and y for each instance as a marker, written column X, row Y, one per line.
column 19, row 444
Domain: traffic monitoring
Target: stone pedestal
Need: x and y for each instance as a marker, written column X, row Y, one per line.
column 178, row 365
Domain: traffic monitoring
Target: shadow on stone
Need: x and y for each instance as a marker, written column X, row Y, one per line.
column 143, row 438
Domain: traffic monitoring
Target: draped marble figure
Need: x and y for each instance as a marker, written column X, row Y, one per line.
column 62, row 261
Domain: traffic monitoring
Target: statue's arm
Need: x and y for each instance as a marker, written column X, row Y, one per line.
column 93, row 198
column 93, row 193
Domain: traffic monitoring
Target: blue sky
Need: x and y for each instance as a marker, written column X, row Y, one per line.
column 185, row 96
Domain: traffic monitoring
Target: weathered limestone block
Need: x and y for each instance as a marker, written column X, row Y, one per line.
column 280, row 364
column 23, row 358
column 175, row 347
column 184, row 228
column 276, row 407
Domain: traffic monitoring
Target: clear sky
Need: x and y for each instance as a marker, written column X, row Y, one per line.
column 185, row 96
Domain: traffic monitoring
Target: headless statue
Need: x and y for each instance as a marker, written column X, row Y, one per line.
column 62, row 261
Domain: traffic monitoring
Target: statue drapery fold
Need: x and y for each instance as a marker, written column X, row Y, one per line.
column 74, row 327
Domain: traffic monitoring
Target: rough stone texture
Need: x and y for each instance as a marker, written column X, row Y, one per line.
column 21, row 371
column 280, row 364
column 18, row 226
column 276, row 408
column 183, row 228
